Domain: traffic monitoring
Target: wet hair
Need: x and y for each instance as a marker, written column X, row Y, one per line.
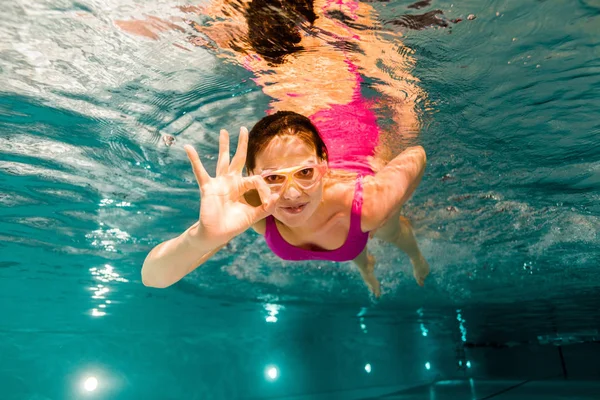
column 283, row 123
column 274, row 26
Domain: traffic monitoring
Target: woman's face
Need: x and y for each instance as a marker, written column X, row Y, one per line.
column 295, row 204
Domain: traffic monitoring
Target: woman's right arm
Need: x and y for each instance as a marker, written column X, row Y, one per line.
column 224, row 214
column 170, row 261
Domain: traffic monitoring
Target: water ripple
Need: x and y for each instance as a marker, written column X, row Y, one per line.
column 92, row 119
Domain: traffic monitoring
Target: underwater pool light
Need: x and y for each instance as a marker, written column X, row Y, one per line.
column 90, row 384
column 468, row 364
column 368, row 368
column 427, row 365
column 272, row 372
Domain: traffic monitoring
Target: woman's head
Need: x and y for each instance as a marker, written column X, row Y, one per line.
column 273, row 26
column 283, row 124
column 283, row 142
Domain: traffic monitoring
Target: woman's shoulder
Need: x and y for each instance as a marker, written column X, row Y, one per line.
column 339, row 180
column 341, row 192
column 338, row 185
column 340, row 188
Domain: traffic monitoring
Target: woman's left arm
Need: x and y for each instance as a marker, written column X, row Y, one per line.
column 393, row 185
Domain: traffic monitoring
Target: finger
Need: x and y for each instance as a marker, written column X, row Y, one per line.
column 255, row 182
column 223, row 162
column 239, row 159
column 200, row 173
column 268, row 199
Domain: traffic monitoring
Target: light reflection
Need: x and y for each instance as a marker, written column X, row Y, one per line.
column 368, row 368
column 108, row 202
column 363, row 326
column 90, row 384
column 273, row 310
column 96, row 313
column 461, row 356
column 424, row 330
column 461, row 322
column 528, row 266
column 472, row 386
column 99, row 294
column 272, row 372
column 468, row 364
column 108, row 238
column 361, row 319
column 106, row 274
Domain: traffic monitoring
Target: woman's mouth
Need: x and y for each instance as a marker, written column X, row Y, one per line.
column 296, row 209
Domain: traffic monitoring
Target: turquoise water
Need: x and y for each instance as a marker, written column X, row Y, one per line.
column 507, row 214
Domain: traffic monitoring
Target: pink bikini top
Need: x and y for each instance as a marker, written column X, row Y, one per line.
column 352, row 247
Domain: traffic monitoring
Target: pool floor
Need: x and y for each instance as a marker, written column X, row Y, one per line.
column 473, row 389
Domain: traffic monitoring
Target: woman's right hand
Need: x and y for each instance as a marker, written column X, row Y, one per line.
column 224, row 213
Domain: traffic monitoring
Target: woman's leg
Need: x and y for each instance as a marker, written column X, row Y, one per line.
column 399, row 232
column 366, row 265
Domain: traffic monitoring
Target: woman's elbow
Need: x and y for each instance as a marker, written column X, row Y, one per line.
column 420, row 153
column 149, row 280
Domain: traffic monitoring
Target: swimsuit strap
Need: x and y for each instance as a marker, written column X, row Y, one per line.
column 357, row 204
column 354, row 244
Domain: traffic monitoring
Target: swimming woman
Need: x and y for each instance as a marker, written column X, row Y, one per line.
column 314, row 188
column 305, row 209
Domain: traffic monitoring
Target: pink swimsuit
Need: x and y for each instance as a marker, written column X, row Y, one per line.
column 352, row 247
column 350, row 133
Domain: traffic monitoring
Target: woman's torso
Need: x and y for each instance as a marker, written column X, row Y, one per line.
column 328, row 227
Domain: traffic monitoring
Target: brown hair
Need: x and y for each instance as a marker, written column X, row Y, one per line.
column 274, row 26
column 283, row 123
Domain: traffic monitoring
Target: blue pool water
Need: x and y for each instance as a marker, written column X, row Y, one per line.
column 508, row 215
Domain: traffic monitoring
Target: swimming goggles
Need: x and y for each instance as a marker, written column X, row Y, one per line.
column 305, row 177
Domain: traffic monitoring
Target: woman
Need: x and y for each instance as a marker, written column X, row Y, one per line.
column 304, row 210
column 319, row 196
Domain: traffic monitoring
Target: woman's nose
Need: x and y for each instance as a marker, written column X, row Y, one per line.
column 291, row 192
